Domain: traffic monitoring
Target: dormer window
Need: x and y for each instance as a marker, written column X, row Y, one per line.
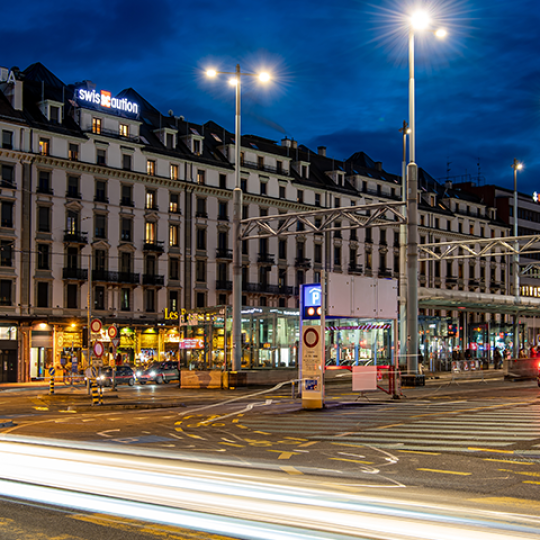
column 197, row 147
column 54, row 114
column 44, row 146
column 304, row 171
column 123, row 130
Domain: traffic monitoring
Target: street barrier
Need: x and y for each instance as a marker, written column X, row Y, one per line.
column 467, row 369
column 521, row 368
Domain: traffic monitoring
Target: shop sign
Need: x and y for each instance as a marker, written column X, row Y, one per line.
column 171, row 315
column 191, row 343
column 7, row 75
column 104, row 99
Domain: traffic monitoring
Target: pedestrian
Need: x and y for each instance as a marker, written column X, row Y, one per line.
column 497, row 359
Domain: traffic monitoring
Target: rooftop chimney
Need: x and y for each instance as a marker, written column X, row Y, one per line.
column 378, row 165
column 286, row 142
column 321, row 150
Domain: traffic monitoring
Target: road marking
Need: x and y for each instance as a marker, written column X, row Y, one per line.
column 525, row 473
column 195, row 436
column 352, row 460
column 282, row 454
column 446, row 472
column 290, row 470
column 420, row 452
column 104, row 433
column 41, row 408
column 311, row 443
column 389, row 426
column 508, row 461
column 262, row 432
column 531, row 482
column 296, row 438
column 491, row 450
column 232, row 444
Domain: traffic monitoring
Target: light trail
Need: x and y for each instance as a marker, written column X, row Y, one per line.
column 158, row 487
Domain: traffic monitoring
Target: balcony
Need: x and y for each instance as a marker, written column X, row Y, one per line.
column 155, row 246
column 355, row 268
column 45, row 190
column 7, row 184
column 113, row 134
column 223, row 285
column 301, row 262
column 262, row 167
column 128, row 277
column 102, row 198
column 127, row 201
column 75, row 237
column 103, row 275
column 267, row 288
column 224, row 253
column 73, row 194
column 384, row 273
column 201, row 214
column 266, row 258
column 78, row 274
column 109, row 276
column 153, row 279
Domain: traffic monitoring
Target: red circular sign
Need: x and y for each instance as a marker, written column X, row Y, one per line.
column 95, row 326
column 311, row 337
column 98, row 349
column 112, row 331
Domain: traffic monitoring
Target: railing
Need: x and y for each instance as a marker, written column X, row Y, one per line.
column 45, row 189
column 113, row 133
column 267, row 258
column 301, row 262
column 76, row 237
column 8, row 184
column 266, row 168
column 80, row 274
column 126, row 201
column 72, row 194
column 224, row 253
column 355, row 268
column 153, row 246
column 115, row 277
column 153, row 279
column 101, row 198
column 128, row 277
column 267, row 288
column 223, row 285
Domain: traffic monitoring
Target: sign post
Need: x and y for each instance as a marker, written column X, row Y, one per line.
column 312, row 368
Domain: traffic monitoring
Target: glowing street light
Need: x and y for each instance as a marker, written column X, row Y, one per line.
column 237, row 216
column 517, row 166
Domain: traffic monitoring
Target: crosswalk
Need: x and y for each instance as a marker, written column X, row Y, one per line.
column 446, row 427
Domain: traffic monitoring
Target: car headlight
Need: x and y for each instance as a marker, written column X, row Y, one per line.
column 138, row 373
column 102, row 377
column 152, row 374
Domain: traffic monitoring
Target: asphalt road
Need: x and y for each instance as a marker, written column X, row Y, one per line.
column 479, row 441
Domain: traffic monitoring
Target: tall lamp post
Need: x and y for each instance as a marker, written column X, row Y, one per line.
column 517, row 166
column 419, row 21
column 237, row 216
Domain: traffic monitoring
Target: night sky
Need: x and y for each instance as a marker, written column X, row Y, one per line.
column 340, row 71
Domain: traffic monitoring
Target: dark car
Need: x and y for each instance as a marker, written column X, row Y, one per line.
column 160, row 372
column 124, row 375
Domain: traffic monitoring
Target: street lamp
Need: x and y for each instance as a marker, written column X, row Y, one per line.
column 419, row 21
column 517, row 166
column 237, row 216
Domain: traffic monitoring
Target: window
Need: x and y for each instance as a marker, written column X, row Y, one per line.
column 460, row 227
column 150, row 232
column 126, row 162
column 42, row 294
column 279, row 167
column 201, row 208
column 99, row 259
column 126, row 262
column 151, row 202
column 101, row 191
column 245, row 211
column 382, row 237
column 223, row 210
column 317, row 255
column 173, row 301
column 201, row 177
column 201, row 299
column 96, row 125
column 72, row 258
column 243, row 184
column 8, row 175
column 368, row 234
column 100, row 226
column 300, row 196
column 99, row 297
column 337, row 202
column 170, row 141
column 5, row 292
column 174, row 172
column 54, row 114
column 174, row 203
column 126, row 229
column 282, row 249
column 101, row 156
column 43, row 257
column 44, row 146
column 150, row 300
column 222, row 241
column 197, row 147
column 174, row 235
column 44, row 219
column 123, row 130
column 127, row 196
column 368, row 260
column 73, row 152
column 73, row 187
column 337, row 255
column 7, row 139
column 7, row 214
column 44, row 182
column 260, row 162
column 263, row 188
column 174, row 268
column 304, row 171
column 317, row 199
column 245, row 248
column 125, row 299
column 221, row 273
column 223, row 181
column 200, row 271
column 263, row 212
column 201, row 239
column 282, row 192
column 151, row 167
column 72, row 296
column 6, row 253
column 352, row 258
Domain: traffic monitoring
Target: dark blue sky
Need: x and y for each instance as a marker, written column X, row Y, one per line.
column 340, row 71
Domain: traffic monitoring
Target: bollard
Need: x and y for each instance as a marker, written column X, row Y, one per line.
column 95, row 392
column 51, row 385
column 101, row 395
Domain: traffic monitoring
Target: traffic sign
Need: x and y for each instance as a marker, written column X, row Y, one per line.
column 51, row 371
column 112, row 331
column 115, row 342
column 95, row 326
column 99, row 349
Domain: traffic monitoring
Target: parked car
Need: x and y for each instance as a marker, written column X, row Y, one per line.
column 124, row 375
column 160, row 372
column 538, row 374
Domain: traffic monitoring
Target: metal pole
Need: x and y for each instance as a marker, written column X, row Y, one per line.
column 237, row 242
column 88, row 309
column 412, row 229
column 516, row 166
column 402, row 334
